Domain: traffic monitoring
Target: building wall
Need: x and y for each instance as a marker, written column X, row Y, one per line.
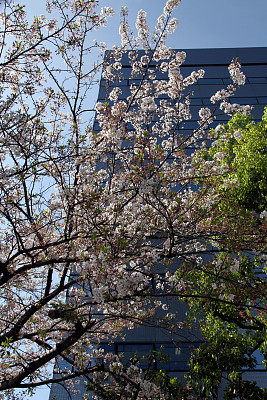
column 215, row 62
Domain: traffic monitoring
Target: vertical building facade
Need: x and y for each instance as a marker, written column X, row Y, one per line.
column 215, row 62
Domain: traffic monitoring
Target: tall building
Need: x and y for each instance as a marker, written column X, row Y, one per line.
column 215, row 62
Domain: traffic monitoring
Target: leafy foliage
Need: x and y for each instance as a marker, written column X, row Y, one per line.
column 234, row 331
column 243, row 147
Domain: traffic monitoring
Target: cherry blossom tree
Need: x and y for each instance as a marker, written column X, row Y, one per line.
column 91, row 216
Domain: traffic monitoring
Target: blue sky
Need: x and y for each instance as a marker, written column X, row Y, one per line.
column 202, row 24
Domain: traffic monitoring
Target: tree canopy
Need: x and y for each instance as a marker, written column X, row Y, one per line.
column 242, row 144
column 99, row 230
column 234, row 330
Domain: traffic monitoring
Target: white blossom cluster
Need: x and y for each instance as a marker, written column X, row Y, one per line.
column 237, row 76
column 170, row 6
column 205, row 117
column 193, row 77
column 114, row 94
column 231, row 109
column 143, row 29
column 105, row 13
column 223, row 94
column 124, row 29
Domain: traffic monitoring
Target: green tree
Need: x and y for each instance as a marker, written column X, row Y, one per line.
column 243, row 145
column 233, row 289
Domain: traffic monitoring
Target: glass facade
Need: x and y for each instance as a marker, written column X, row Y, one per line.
column 215, row 63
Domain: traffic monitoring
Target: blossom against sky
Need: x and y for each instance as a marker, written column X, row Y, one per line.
column 202, row 24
